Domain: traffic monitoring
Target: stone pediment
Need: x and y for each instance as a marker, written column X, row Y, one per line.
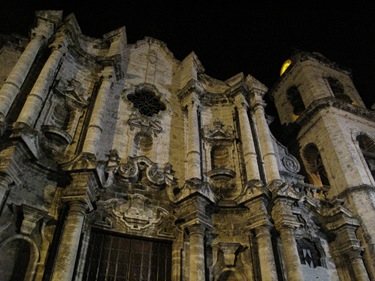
column 159, row 49
column 218, row 133
column 73, row 91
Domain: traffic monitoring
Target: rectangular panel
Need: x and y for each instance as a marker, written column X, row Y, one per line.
column 124, row 258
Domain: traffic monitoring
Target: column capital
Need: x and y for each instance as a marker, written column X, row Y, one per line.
column 107, row 73
column 260, row 104
column 263, row 230
column 60, row 44
column 79, row 207
column 193, row 103
column 196, row 229
column 5, row 180
column 243, row 105
column 355, row 252
column 47, row 21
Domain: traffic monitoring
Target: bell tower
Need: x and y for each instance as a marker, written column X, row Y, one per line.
column 335, row 133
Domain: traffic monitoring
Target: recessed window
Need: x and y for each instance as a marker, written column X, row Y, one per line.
column 315, row 168
column 367, row 146
column 308, row 253
column 146, row 102
column 296, row 101
column 338, row 90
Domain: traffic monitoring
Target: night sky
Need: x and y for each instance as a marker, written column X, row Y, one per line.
column 232, row 37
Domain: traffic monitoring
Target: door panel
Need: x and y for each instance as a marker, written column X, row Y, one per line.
column 124, row 258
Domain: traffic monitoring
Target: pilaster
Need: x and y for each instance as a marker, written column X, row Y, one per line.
column 46, row 23
column 285, row 223
column 68, row 248
column 197, row 257
column 260, row 223
column 250, row 155
column 39, row 92
column 193, row 144
column 348, row 245
column 95, row 128
column 265, row 140
column 78, row 198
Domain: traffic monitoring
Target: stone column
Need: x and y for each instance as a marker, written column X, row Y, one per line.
column 358, row 266
column 250, row 155
column 285, row 222
column 260, row 221
column 266, row 144
column 196, row 259
column 46, row 23
column 95, row 128
column 348, row 243
column 70, row 238
column 265, row 251
column 193, row 145
column 17, row 76
column 291, row 257
column 38, row 94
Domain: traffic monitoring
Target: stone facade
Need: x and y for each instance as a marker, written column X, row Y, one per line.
column 119, row 162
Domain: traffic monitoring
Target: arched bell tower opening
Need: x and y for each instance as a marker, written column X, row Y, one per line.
column 367, row 146
column 316, row 171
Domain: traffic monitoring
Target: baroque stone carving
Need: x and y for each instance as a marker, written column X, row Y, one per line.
column 143, row 172
column 291, row 164
column 138, row 212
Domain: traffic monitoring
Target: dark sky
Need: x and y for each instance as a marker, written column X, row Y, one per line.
column 231, row 37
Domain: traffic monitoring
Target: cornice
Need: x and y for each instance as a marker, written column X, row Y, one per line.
column 323, row 103
column 193, row 86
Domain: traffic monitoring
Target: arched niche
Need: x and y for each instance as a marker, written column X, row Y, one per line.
column 18, row 259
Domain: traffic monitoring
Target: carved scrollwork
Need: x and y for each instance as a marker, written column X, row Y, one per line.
column 290, row 164
column 142, row 170
column 129, row 169
column 135, row 212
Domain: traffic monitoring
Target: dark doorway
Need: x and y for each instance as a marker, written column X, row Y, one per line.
column 123, row 258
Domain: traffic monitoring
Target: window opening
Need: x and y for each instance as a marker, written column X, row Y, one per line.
column 146, row 102
column 367, row 146
column 294, row 97
column 338, row 90
column 308, row 253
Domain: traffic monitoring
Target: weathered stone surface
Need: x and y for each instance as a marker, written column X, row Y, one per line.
column 118, row 160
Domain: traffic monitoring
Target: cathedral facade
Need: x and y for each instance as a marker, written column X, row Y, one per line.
column 120, row 162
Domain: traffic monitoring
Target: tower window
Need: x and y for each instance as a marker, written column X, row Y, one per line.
column 338, row 90
column 367, row 146
column 316, row 170
column 294, row 97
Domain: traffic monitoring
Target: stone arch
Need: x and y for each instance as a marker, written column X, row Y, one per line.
column 22, row 256
column 316, row 171
column 295, row 99
column 367, row 148
column 338, row 90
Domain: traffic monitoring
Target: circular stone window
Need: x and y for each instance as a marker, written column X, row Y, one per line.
column 145, row 100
